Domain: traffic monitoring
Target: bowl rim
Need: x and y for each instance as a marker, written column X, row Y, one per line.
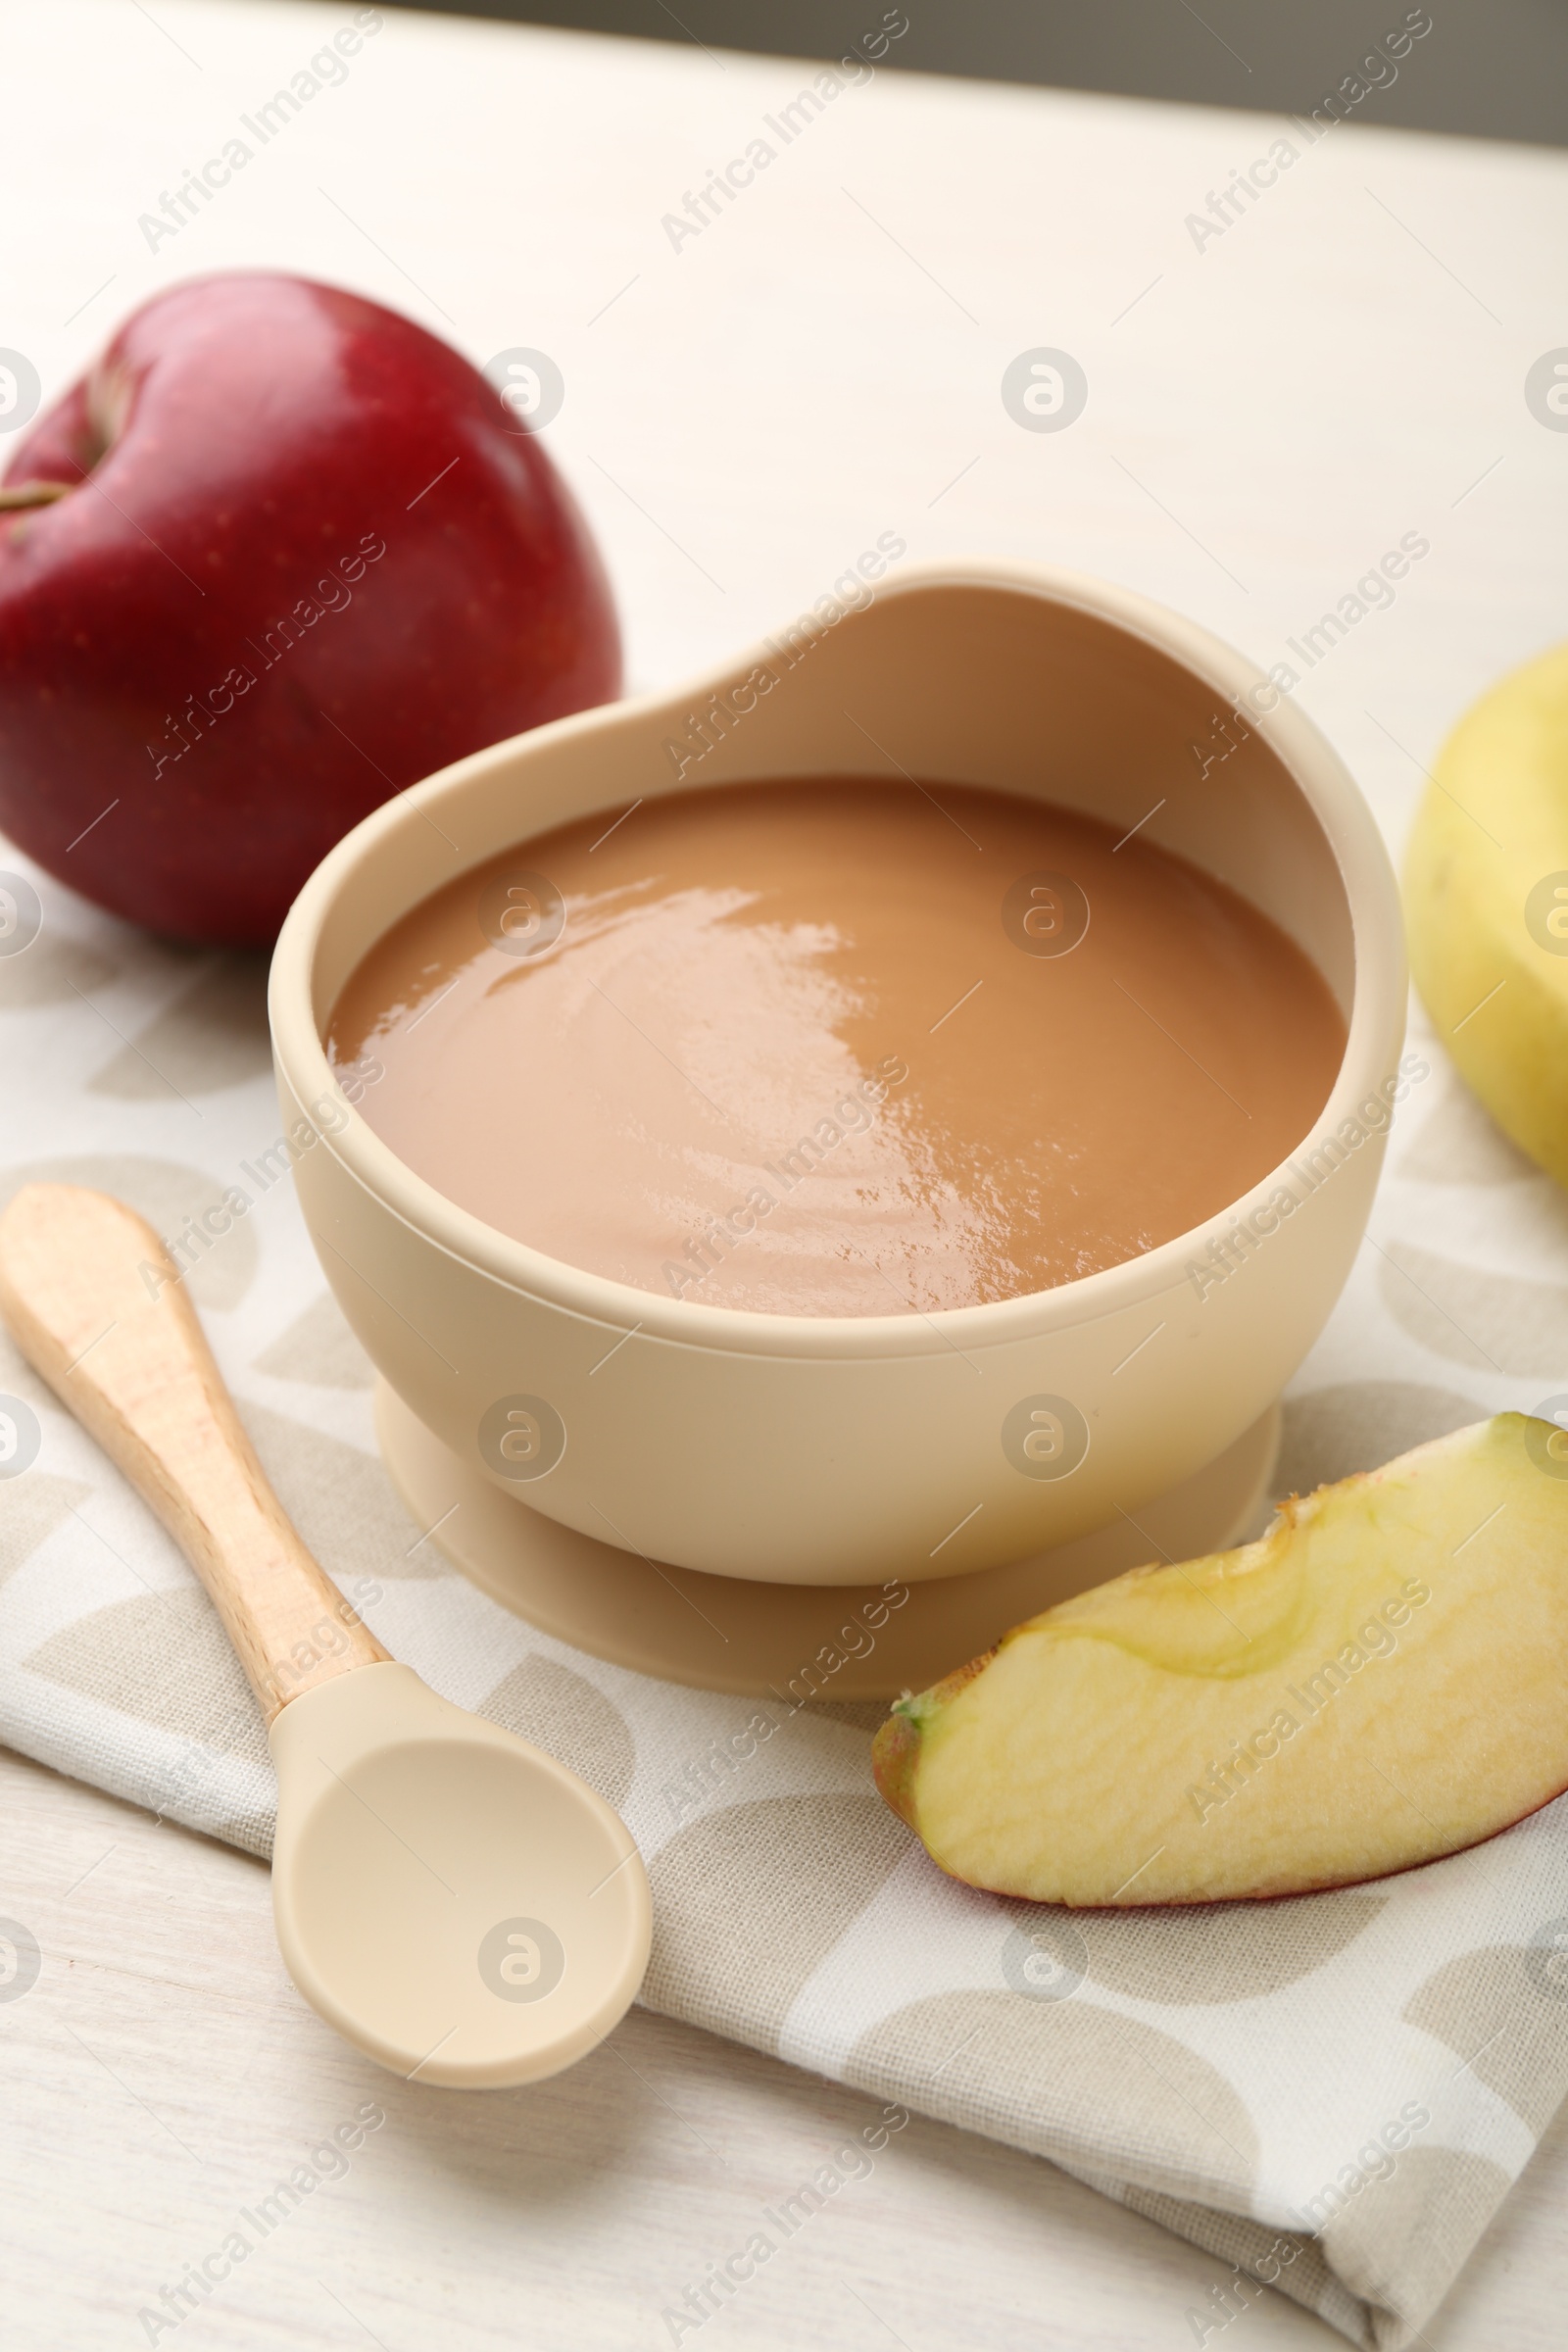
column 1375, row 1027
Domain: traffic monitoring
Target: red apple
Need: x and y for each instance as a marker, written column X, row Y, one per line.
column 306, row 557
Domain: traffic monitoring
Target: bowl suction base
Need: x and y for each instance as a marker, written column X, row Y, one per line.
column 725, row 1633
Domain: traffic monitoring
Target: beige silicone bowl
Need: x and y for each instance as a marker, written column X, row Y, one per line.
column 837, row 1451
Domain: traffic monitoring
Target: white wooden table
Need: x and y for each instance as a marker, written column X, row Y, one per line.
column 744, row 410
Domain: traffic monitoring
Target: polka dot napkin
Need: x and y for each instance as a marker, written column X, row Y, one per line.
column 1332, row 2094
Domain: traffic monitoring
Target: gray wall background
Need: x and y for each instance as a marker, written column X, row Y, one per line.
column 1495, row 69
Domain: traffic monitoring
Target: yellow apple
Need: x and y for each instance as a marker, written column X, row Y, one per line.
column 1485, row 894
column 1383, row 1677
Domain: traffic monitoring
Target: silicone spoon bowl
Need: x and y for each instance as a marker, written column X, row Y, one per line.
column 458, row 1904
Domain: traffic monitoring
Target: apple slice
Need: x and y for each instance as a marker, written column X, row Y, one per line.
column 1382, row 1679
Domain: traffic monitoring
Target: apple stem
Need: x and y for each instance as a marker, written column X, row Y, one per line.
column 34, row 494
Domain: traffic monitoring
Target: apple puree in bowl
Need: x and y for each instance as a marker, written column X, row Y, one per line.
column 838, row 1047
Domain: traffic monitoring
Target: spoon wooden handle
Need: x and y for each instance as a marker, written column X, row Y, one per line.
column 98, row 1309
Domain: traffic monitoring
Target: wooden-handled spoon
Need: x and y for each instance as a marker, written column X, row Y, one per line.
column 457, row 1903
